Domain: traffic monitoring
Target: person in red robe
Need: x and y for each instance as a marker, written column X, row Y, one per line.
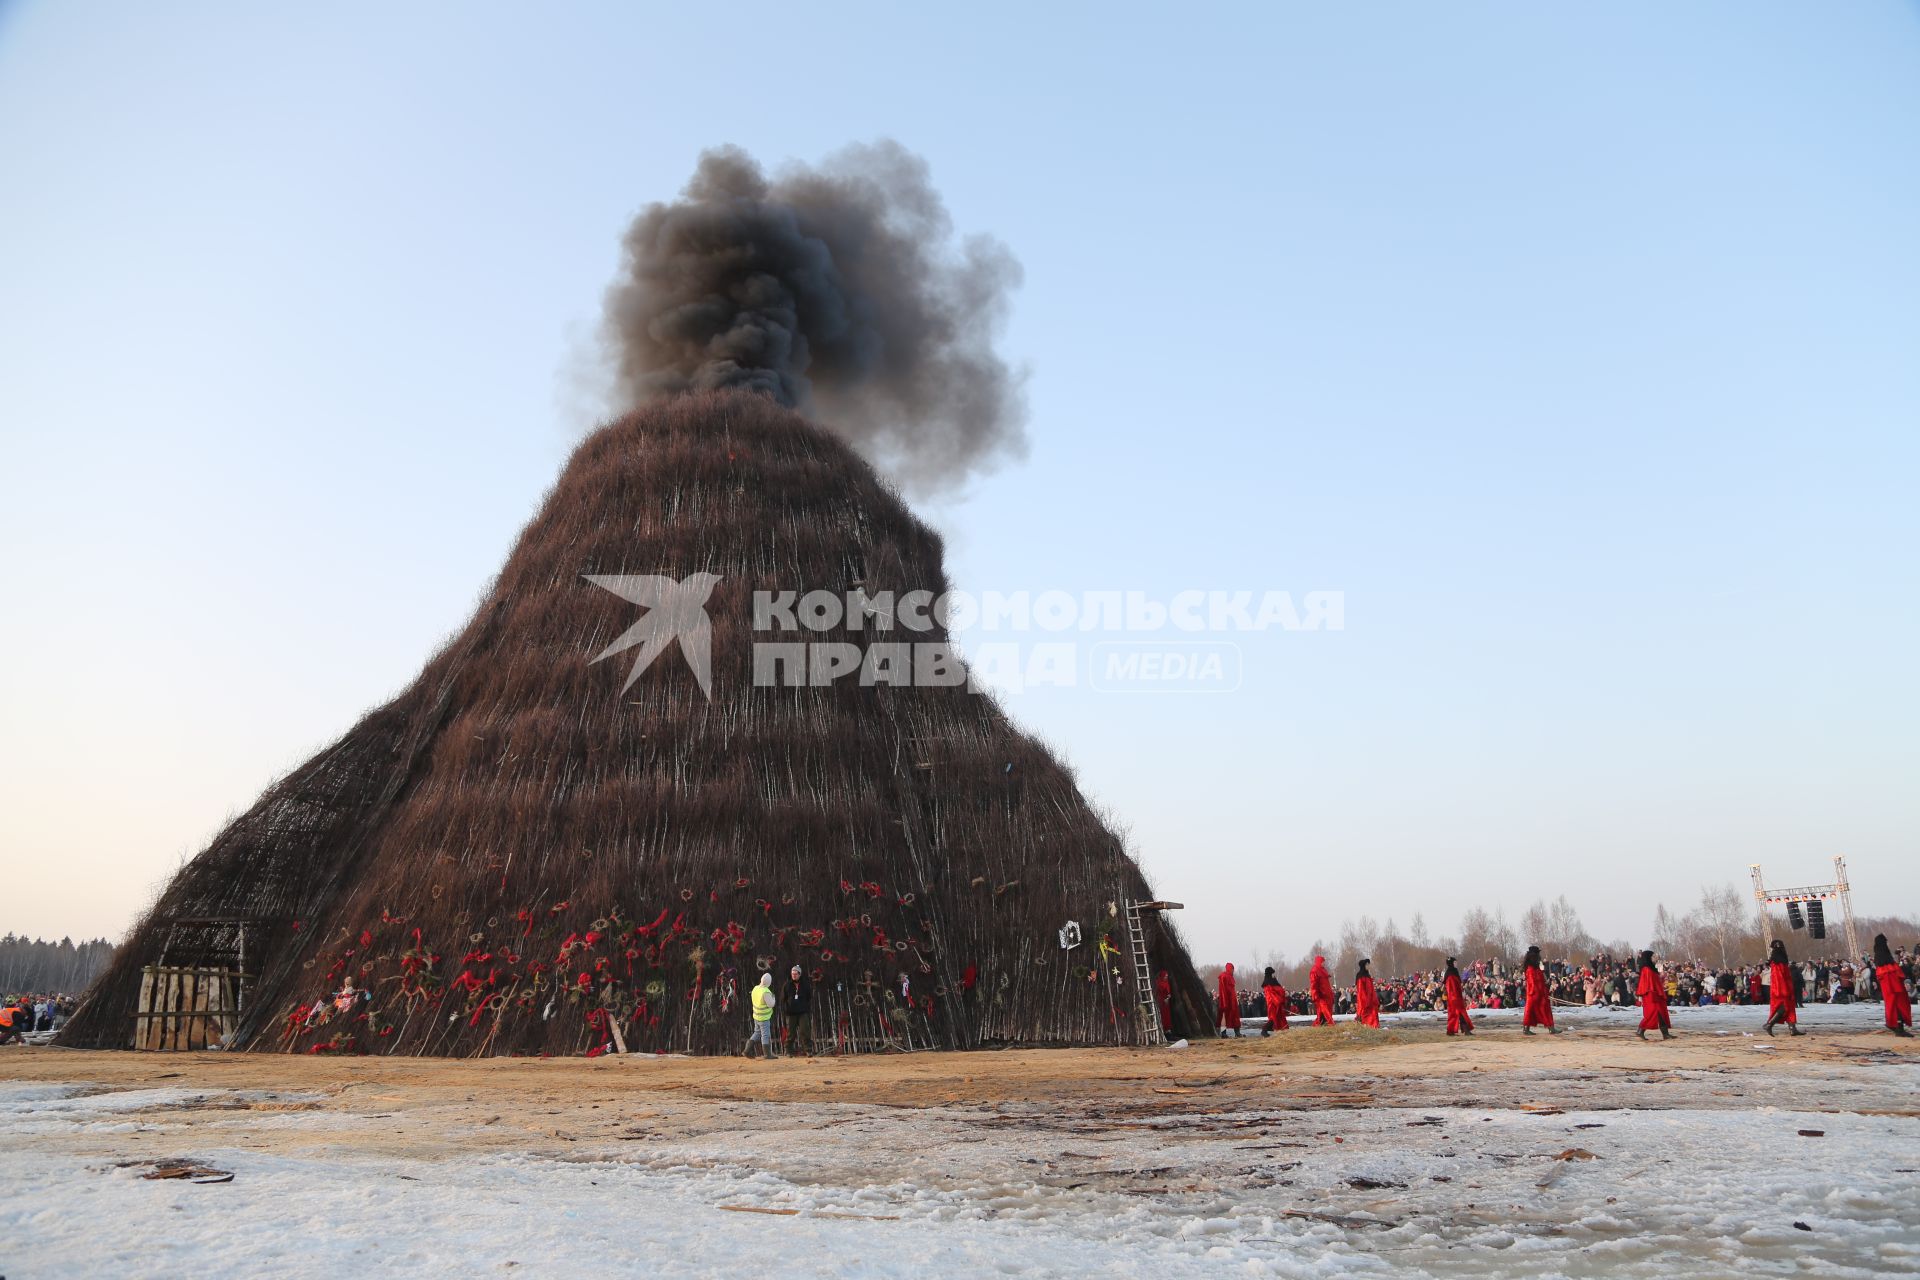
column 1653, row 1000
column 1893, row 988
column 1458, row 1023
column 1366, row 1000
column 1781, row 1001
column 1320, row 988
column 1538, row 1011
column 1163, row 997
column 1229, row 1003
column 1276, row 996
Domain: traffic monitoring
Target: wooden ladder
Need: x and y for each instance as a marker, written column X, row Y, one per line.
column 1148, row 1009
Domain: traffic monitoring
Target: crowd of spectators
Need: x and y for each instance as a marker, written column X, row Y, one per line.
column 1605, row 979
column 24, row 1014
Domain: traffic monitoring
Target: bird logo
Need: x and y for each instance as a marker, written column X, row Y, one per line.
column 675, row 611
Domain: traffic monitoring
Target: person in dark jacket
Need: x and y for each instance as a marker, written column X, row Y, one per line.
column 797, row 1006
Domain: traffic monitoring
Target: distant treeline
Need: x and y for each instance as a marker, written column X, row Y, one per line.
column 66, row 966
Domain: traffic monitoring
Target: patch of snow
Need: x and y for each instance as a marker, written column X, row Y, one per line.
column 1020, row 1190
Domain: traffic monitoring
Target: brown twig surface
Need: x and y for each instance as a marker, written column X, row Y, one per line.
column 515, row 850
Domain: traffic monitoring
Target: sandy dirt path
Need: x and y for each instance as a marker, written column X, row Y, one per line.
column 1341, row 1067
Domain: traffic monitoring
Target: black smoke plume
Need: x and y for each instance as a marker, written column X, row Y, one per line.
column 836, row 290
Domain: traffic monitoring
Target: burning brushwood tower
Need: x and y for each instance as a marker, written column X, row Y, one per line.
column 534, row 850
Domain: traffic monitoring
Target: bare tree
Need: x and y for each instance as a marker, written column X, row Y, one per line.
column 1485, row 937
column 1417, row 931
column 1569, row 936
column 1725, row 919
column 1357, row 939
column 1666, row 931
column 1536, row 930
column 1506, row 944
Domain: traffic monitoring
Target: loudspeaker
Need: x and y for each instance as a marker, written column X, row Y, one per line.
column 1816, row 920
column 1793, row 916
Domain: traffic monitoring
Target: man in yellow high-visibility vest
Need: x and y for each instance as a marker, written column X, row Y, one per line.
column 763, row 1002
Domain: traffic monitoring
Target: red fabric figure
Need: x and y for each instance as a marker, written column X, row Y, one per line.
column 1458, row 1023
column 1229, row 1003
column 1163, row 997
column 1276, row 996
column 1893, row 988
column 1653, row 1000
column 1781, row 1002
column 1539, row 1008
column 1366, row 1000
column 1320, row 988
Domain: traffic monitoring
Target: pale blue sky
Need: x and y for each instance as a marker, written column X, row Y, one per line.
column 1576, row 348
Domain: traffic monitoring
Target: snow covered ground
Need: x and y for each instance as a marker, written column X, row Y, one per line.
column 1650, row 1171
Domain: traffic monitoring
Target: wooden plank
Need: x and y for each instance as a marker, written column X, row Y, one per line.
column 156, row 994
column 169, row 1001
column 156, row 998
column 197, row 1025
column 754, row 1208
column 190, row 1001
column 229, row 1006
column 143, row 1006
